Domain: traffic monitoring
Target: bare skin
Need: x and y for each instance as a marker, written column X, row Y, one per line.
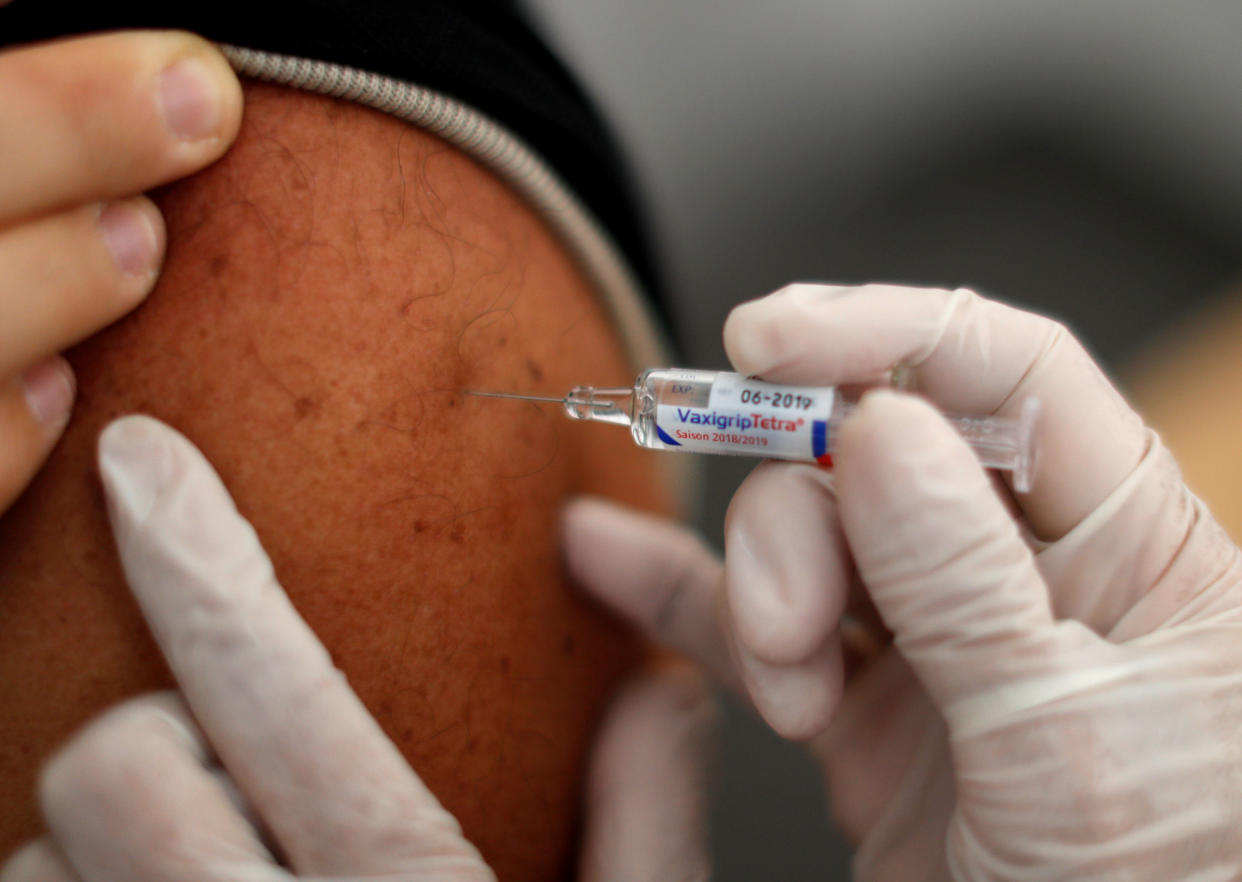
column 331, row 287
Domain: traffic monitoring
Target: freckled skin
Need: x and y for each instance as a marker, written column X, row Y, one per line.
column 331, row 286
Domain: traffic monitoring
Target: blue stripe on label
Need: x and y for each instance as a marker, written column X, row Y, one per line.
column 664, row 436
column 819, row 438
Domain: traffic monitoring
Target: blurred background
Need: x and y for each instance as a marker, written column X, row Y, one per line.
column 1080, row 159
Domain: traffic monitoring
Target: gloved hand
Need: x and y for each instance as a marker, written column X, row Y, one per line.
column 1062, row 696
column 86, row 124
column 265, row 765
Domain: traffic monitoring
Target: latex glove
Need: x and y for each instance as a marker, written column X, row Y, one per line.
column 1063, row 694
column 265, row 765
column 86, row 124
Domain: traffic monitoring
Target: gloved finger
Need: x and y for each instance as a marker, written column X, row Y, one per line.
column 335, row 793
column 1106, row 491
column 662, row 577
column 797, row 699
column 34, row 409
column 69, row 274
column 107, row 116
column 129, row 798
column 787, row 569
column 38, row 861
column 647, row 792
column 1124, row 570
column 886, row 761
column 655, row 573
column 946, row 567
column 788, row 574
column 969, row 355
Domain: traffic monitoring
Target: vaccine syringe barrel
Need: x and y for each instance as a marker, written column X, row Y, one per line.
column 719, row 412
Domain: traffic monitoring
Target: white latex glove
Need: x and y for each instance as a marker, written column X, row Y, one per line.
column 1063, row 696
column 265, row 765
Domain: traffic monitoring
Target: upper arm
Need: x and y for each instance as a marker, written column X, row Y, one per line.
column 331, row 287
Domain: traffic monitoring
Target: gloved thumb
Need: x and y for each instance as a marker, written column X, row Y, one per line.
column 945, row 565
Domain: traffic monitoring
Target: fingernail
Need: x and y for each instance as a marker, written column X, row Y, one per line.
column 130, row 236
column 134, row 464
column 189, row 100
column 49, row 388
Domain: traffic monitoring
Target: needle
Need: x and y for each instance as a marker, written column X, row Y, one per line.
column 511, row 395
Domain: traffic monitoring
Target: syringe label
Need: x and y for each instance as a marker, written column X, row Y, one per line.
column 751, row 418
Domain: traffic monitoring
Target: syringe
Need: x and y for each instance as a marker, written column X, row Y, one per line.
column 721, row 412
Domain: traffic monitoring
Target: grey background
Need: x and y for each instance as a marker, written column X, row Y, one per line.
column 1083, row 159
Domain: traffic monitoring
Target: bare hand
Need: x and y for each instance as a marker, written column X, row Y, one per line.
column 85, row 125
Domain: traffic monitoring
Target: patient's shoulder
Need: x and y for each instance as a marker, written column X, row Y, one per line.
column 332, row 286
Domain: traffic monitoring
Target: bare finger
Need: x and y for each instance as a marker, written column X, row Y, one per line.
column 64, row 276
column 106, row 116
column 34, row 408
